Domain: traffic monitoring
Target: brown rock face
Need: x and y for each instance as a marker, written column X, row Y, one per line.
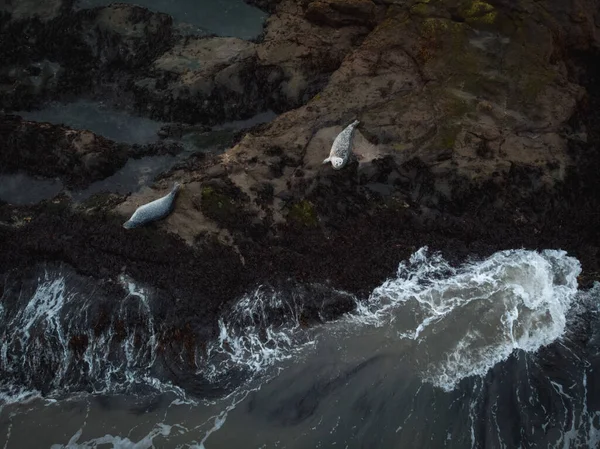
column 464, row 106
column 339, row 13
column 468, row 88
column 77, row 157
column 473, row 130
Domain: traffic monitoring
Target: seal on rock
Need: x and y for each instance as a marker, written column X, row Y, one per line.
column 342, row 147
column 155, row 210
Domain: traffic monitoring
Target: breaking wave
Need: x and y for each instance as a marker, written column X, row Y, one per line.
column 466, row 320
column 432, row 332
column 54, row 340
column 470, row 318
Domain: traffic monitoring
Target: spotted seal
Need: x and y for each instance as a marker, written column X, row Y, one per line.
column 342, row 147
column 155, row 210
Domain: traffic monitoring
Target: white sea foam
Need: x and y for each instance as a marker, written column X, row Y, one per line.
column 468, row 319
column 454, row 322
column 38, row 338
column 249, row 339
column 116, row 441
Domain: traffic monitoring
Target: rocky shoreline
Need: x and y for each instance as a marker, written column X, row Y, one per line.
column 479, row 132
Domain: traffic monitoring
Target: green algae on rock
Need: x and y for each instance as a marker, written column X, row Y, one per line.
column 303, row 213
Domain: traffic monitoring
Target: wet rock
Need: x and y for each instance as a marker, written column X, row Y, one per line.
column 77, row 157
column 177, row 130
column 129, row 35
column 76, row 52
column 339, row 13
column 266, row 5
column 461, row 107
column 203, row 79
column 169, row 77
column 28, row 9
column 36, row 79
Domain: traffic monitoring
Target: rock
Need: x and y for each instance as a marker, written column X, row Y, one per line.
column 216, row 171
column 77, row 157
column 462, row 109
column 305, row 52
column 129, row 35
column 417, row 87
column 339, row 13
column 28, row 9
column 168, row 77
column 101, row 44
column 202, row 79
column 266, row 5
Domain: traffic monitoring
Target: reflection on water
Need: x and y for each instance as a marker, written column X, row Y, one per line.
column 261, row 117
column 99, row 118
column 19, row 188
column 222, row 136
column 120, row 127
column 477, row 356
column 134, row 175
column 221, row 17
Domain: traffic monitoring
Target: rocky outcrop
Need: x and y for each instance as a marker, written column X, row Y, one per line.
column 339, row 13
column 206, row 80
column 215, row 79
column 451, row 97
column 50, row 56
column 477, row 133
column 78, row 158
column 150, row 68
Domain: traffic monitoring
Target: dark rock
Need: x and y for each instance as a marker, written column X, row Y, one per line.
column 338, row 13
column 77, row 157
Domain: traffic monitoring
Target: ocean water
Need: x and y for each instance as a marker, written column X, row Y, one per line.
column 499, row 352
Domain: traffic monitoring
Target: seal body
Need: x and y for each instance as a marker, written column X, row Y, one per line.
column 342, row 147
column 155, row 210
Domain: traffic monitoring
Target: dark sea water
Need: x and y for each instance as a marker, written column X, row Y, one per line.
column 500, row 352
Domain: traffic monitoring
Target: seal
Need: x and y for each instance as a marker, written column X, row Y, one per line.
column 342, row 147
column 155, row 210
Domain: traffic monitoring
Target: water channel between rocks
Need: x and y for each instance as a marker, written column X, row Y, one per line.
column 20, row 188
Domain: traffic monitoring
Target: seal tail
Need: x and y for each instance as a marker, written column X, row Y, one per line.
column 176, row 187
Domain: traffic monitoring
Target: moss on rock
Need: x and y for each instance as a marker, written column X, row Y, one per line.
column 303, row 213
column 446, row 136
column 217, row 205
